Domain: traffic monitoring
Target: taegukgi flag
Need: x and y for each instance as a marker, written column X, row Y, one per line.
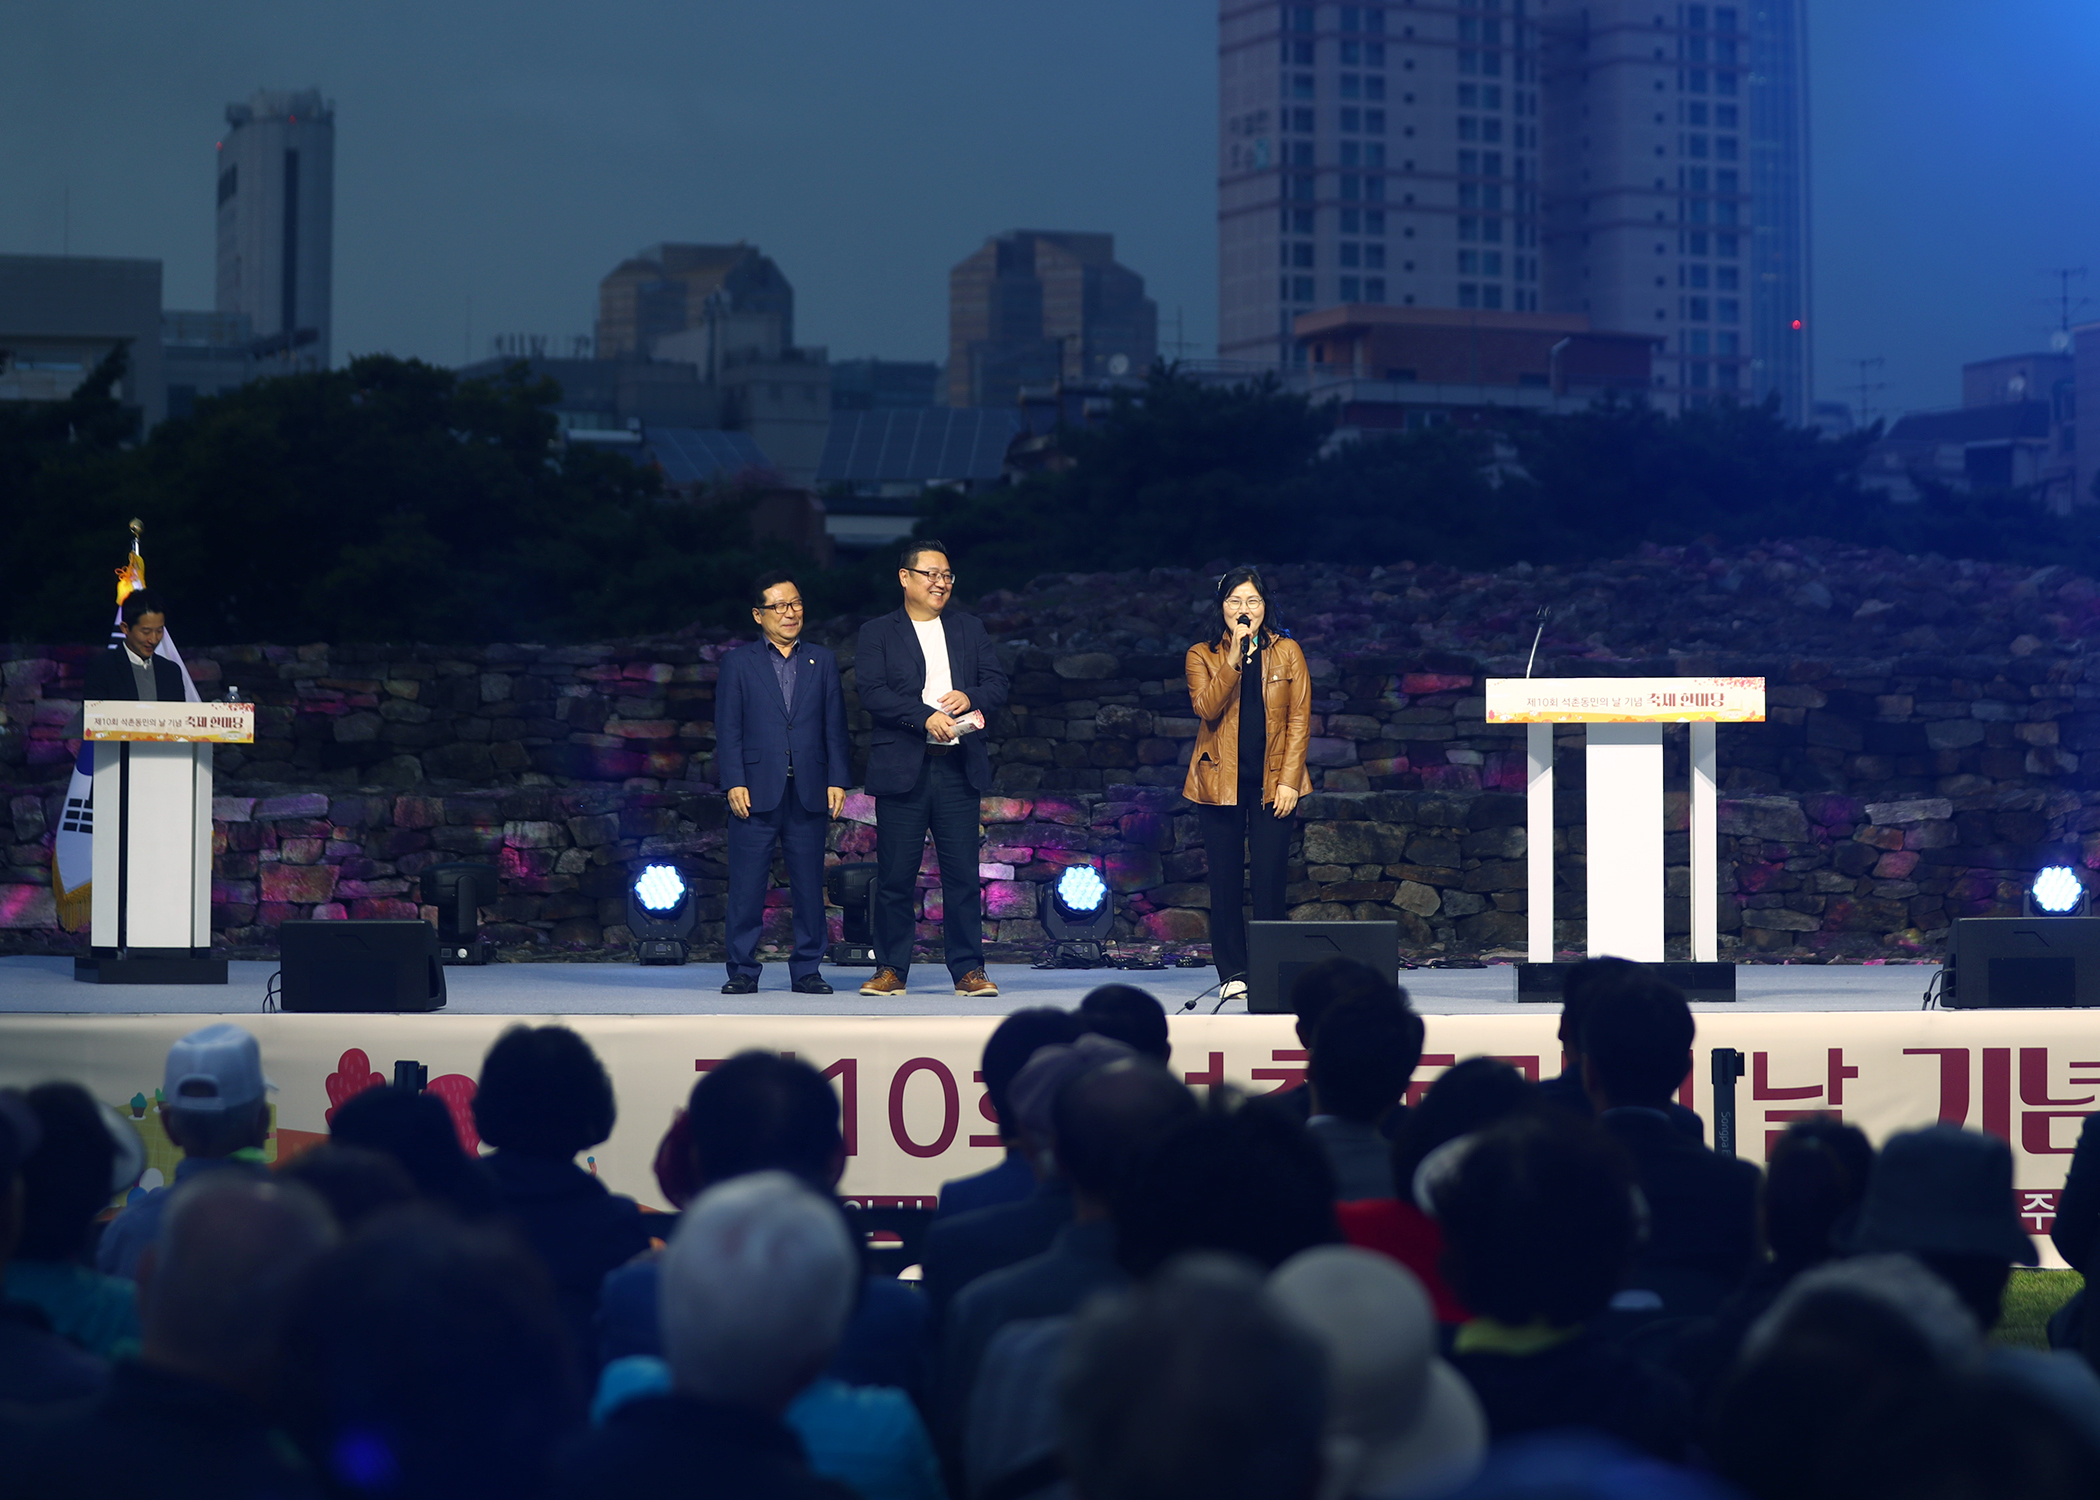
column 73, row 848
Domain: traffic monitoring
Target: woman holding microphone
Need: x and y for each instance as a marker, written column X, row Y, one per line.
column 1252, row 694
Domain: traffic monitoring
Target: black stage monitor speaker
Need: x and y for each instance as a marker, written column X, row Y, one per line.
column 1278, row 952
column 2031, row 963
column 360, row 966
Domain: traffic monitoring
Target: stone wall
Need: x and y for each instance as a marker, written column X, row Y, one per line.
column 1894, row 788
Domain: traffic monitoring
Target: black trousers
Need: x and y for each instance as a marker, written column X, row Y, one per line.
column 1247, row 842
column 940, row 802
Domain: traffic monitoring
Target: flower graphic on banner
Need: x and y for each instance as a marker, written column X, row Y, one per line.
column 354, row 1074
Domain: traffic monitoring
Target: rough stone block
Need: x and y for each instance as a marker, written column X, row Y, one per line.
column 1920, row 810
column 1762, row 818
column 223, row 810
column 1176, row 924
column 1085, row 666
column 297, row 805
column 1354, row 844
column 298, row 884
column 1779, row 919
column 28, row 906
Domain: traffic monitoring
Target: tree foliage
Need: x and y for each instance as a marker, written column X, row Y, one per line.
column 392, row 500
column 386, row 501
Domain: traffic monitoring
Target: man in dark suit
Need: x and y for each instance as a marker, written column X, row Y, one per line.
column 1702, row 1230
column 926, row 674
column 781, row 757
column 132, row 673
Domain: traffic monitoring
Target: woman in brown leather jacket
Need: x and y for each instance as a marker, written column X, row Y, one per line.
column 1252, row 694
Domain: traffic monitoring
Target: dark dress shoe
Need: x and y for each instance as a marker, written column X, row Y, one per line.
column 741, row 984
column 812, row 984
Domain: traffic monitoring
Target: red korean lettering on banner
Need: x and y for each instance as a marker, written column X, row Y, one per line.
column 951, row 1110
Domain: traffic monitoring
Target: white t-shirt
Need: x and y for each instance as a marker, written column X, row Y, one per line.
column 933, row 645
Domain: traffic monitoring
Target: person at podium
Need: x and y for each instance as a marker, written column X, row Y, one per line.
column 131, row 672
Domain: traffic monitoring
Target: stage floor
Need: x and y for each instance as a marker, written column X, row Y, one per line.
column 45, row 986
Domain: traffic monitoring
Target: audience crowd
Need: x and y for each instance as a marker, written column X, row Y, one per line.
column 1507, row 1288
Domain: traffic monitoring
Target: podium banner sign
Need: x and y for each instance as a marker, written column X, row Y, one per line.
column 194, row 723
column 1625, row 700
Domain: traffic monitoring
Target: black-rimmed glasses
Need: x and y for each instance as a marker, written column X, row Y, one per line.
column 790, row 607
column 943, row 576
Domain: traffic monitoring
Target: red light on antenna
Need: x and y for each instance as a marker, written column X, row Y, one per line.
column 1797, row 325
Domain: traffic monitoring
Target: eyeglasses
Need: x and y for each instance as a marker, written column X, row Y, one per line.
column 790, row 607
column 943, row 576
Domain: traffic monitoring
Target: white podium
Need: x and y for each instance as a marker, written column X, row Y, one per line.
column 1625, row 794
column 150, row 907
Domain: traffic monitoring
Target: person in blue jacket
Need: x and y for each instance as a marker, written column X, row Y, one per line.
column 781, row 758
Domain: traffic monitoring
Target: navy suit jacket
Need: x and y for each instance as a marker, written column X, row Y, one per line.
column 755, row 735
column 889, row 671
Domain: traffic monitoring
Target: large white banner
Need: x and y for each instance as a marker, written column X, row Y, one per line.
column 915, row 1107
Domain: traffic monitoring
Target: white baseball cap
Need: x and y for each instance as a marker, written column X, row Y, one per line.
column 218, row 1068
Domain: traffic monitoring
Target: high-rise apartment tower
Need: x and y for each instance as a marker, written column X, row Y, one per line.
column 277, row 222
column 1640, row 161
column 1676, row 179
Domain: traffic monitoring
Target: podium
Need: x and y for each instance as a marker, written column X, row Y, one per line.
column 150, row 909
column 1625, row 794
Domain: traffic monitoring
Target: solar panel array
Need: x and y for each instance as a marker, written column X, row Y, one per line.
column 935, row 443
column 698, row 455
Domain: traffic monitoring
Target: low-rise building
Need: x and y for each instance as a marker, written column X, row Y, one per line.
column 61, row 315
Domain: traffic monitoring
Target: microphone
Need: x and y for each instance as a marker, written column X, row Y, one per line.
column 1247, row 646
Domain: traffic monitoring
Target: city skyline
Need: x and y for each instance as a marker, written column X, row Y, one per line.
column 484, row 181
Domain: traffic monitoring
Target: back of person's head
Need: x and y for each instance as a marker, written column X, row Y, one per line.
column 543, row 1092
column 1469, row 1096
column 1194, row 1385
column 214, row 1287
column 1819, row 1171
column 1130, row 1015
column 1033, row 1093
column 214, row 1096
column 355, row 1183
column 69, row 1178
column 1331, row 981
column 1839, row 1390
column 1539, row 1220
column 1244, row 1181
column 1399, row 1419
column 756, row 1287
column 416, row 1131
column 1580, row 982
column 1107, row 1118
column 1637, row 1039
column 19, row 1137
column 1363, row 1053
column 761, row 1112
column 1944, row 1195
column 425, row 1357
column 1012, row 1042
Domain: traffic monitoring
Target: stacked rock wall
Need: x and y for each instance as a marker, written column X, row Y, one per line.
column 1909, row 773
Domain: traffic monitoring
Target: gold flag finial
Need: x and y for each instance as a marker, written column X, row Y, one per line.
column 136, row 527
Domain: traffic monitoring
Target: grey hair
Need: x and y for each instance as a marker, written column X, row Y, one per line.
column 231, row 1247
column 1895, row 1283
column 757, row 1284
column 1195, row 1385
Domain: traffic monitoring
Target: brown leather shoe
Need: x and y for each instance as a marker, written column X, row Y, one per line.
column 977, row 985
column 887, row 981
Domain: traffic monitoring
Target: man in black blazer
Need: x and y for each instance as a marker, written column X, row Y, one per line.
column 1702, row 1226
column 131, row 673
column 924, row 673
column 782, row 760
